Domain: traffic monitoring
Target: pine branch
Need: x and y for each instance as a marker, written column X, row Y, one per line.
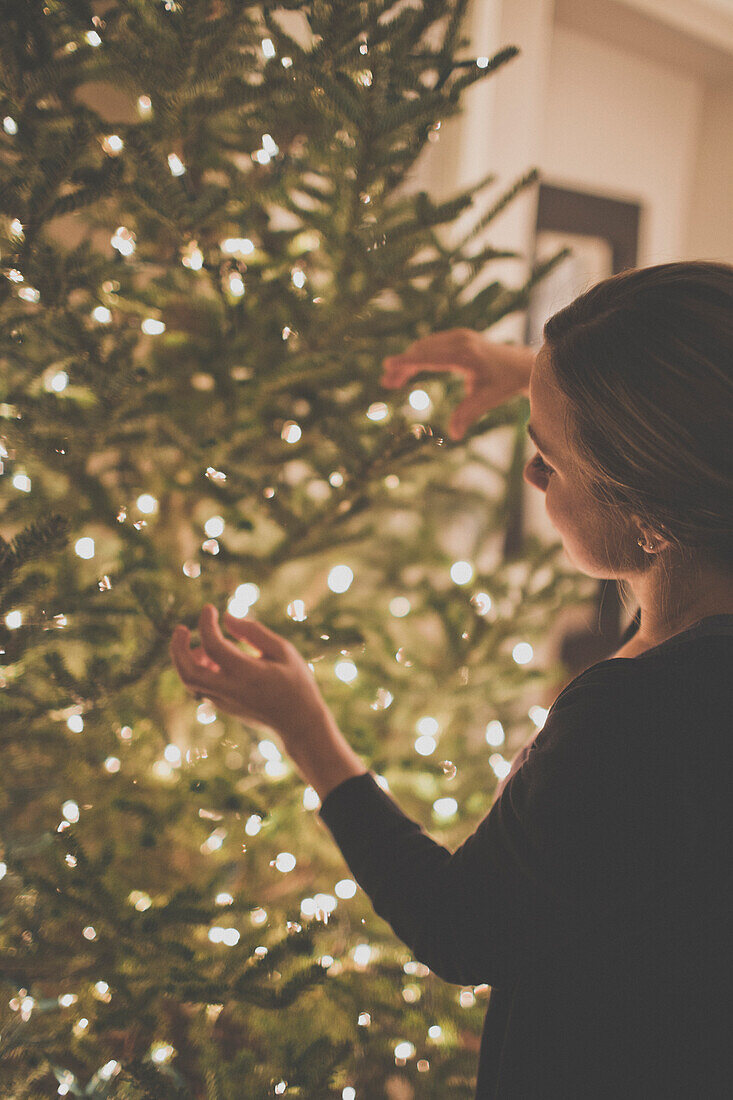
column 38, row 539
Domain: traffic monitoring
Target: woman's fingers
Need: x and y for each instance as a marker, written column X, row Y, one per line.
column 226, row 655
column 202, row 658
column 194, row 675
column 270, row 645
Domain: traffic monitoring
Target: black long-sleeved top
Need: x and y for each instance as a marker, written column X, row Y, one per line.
column 594, row 897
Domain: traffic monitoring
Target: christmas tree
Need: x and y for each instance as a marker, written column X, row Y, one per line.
column 195, row 304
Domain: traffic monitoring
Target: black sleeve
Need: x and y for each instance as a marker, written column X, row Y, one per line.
column 476, row 915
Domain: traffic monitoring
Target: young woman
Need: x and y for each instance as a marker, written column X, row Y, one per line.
column 592, row 896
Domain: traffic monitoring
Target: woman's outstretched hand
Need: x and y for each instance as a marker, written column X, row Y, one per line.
column 275, row 688
column 493, row 373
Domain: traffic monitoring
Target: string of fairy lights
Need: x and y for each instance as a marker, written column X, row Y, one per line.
column 340, row 577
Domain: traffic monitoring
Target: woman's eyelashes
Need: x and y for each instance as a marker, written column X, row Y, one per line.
column 539, row 464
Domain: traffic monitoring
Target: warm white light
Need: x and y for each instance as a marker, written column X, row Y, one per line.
column 482, row 602
column 14, row 620
column 10, row 126
column 75, row 723
column 269, row 145
column 425, row 745
column 311, row 801
column 399, row 607
column 236, row 284
column 248, row 592
column 345, row 888
column 123, row 240
column 276, row 769
column 325, row 905
column 194, row 258
column 113, row 144
column 362, row 954
column 144, row 104
column 298, row 277
column 16, row 227
column 269, row 750
column 176, row 165
column 419, row 400
column 340, row 578
column 93, row 38
column 112, row 764
column 224, row 899
column 445, row 807
column 3, row 870
column 523, row 653
column 291, row 432
column 147, row 504
column 151, row 327
column 162, row 1052
column 346, row 671
column 29, row 294
column 461, row 572
column 214, row 841
column 500, row 765
column 296, row 611
column 378, row 410
column 70, row 810
column 172, row 754
column 230, row 937
column 254, row 824
column 233, row 245
column 482, row 62
column 494, row 734
column 539, row 715
column 89, row 933
column 285, row 862
column 108, row 1069
column 268, row 48
column 404, row 1050
column 84, row 548
column 68, row 999
column 102, row 314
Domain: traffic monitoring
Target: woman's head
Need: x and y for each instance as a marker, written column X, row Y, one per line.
column 634, row 386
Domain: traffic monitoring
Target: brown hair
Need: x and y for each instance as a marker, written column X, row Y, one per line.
column 644, row 360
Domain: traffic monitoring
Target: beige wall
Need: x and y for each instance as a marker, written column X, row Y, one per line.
column 631, row 99
column 709, row 229
column 623, row 126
